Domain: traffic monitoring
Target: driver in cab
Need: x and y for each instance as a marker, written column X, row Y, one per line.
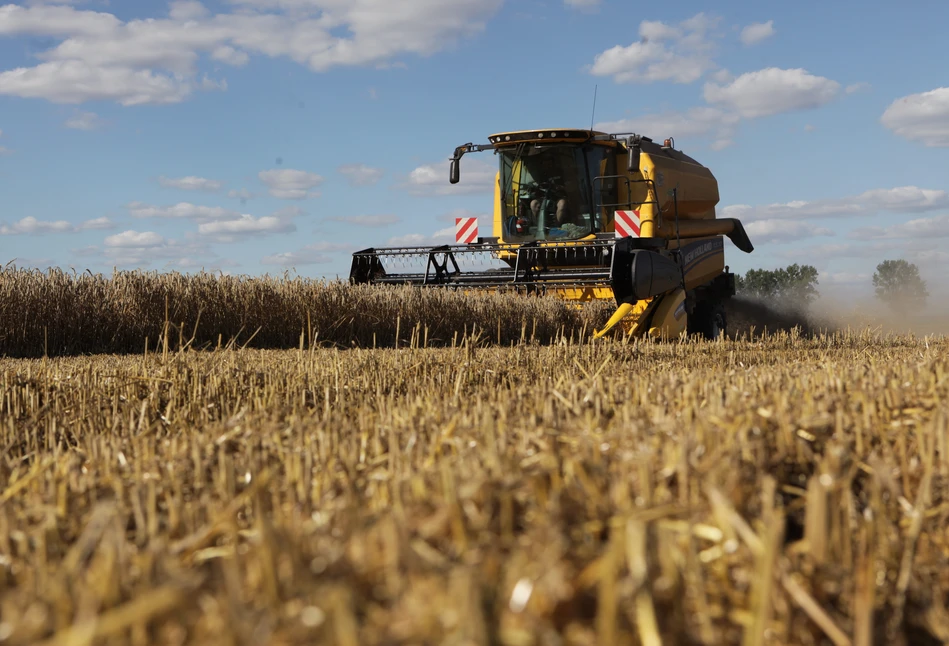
column 563, row 215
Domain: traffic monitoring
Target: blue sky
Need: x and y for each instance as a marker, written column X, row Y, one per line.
column 255, row 136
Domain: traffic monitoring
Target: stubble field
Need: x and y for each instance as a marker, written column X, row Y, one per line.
column 767, row 490
column 776, row 491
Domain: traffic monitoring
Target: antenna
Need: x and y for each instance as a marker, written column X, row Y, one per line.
column 593, row 116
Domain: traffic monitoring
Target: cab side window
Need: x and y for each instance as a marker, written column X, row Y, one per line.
column 605, row 194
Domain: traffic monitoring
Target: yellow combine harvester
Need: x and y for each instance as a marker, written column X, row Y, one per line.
column 587, row 215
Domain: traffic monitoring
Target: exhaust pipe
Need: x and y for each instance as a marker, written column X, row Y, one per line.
column 729, row 227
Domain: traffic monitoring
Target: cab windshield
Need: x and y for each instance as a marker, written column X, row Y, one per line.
column 547, row 191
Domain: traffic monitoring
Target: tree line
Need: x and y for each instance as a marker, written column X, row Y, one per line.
column 896, row 283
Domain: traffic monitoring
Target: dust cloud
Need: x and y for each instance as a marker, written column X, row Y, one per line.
column 929, row 320
column 833, row 314
column 750, row 316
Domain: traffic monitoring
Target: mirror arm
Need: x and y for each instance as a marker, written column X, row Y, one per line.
column 454, row 172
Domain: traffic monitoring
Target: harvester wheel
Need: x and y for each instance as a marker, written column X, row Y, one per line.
column 708, row 319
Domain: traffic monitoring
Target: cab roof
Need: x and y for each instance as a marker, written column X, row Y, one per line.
column 544, row 134
column 570, row 135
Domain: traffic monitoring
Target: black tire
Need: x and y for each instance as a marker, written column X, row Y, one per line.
column 708, row 320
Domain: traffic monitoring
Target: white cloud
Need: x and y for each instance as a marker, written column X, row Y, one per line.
column 772, row 91
column 927, row 254
column 800, row 209
column 312, row 254
column 918, row 228
column 191, row 183
column 777, row 231
column 84, row 121
column 245, row 225
column 181, row 210
column 442, row 236
column 74, row 81
column 32, row 226
column 184, row 263
column 722, row 76
column 922, row 117
column 296, row 258
column 229, row 55
column 243, row 195
column 36, row 263
column 695, row 122
column 902, row 199
column 930, row 258
column 367, row 220
column 477, row 176
column 241, row 226
column 752, row 95
column 290, row 184
column 360, row 174
column 464, row 213
column 868, row 233
column 134, row 239
column 853, row 88
column 69, row 2
column 55, row 21
column 582, row 4
column 5, row 151
column 211, row 84
column 97, row 223
column 680, row 53
column 925, row 228
column 757, row 32
column 819, row 253
column 907, row 198
column 155, row 60
column 185, row 10
column 133, row 248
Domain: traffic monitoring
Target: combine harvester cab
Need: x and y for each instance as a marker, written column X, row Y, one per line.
column 585, row 215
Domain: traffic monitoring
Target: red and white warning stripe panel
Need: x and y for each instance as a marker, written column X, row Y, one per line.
column 466, row 230
column 626, row 224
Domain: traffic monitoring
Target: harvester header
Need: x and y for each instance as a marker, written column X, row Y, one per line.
column 587, row 215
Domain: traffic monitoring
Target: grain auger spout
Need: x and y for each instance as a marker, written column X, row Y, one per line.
column 585, row 215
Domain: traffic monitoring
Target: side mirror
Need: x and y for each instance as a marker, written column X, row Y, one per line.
column 454, row 172
column 632, row 162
